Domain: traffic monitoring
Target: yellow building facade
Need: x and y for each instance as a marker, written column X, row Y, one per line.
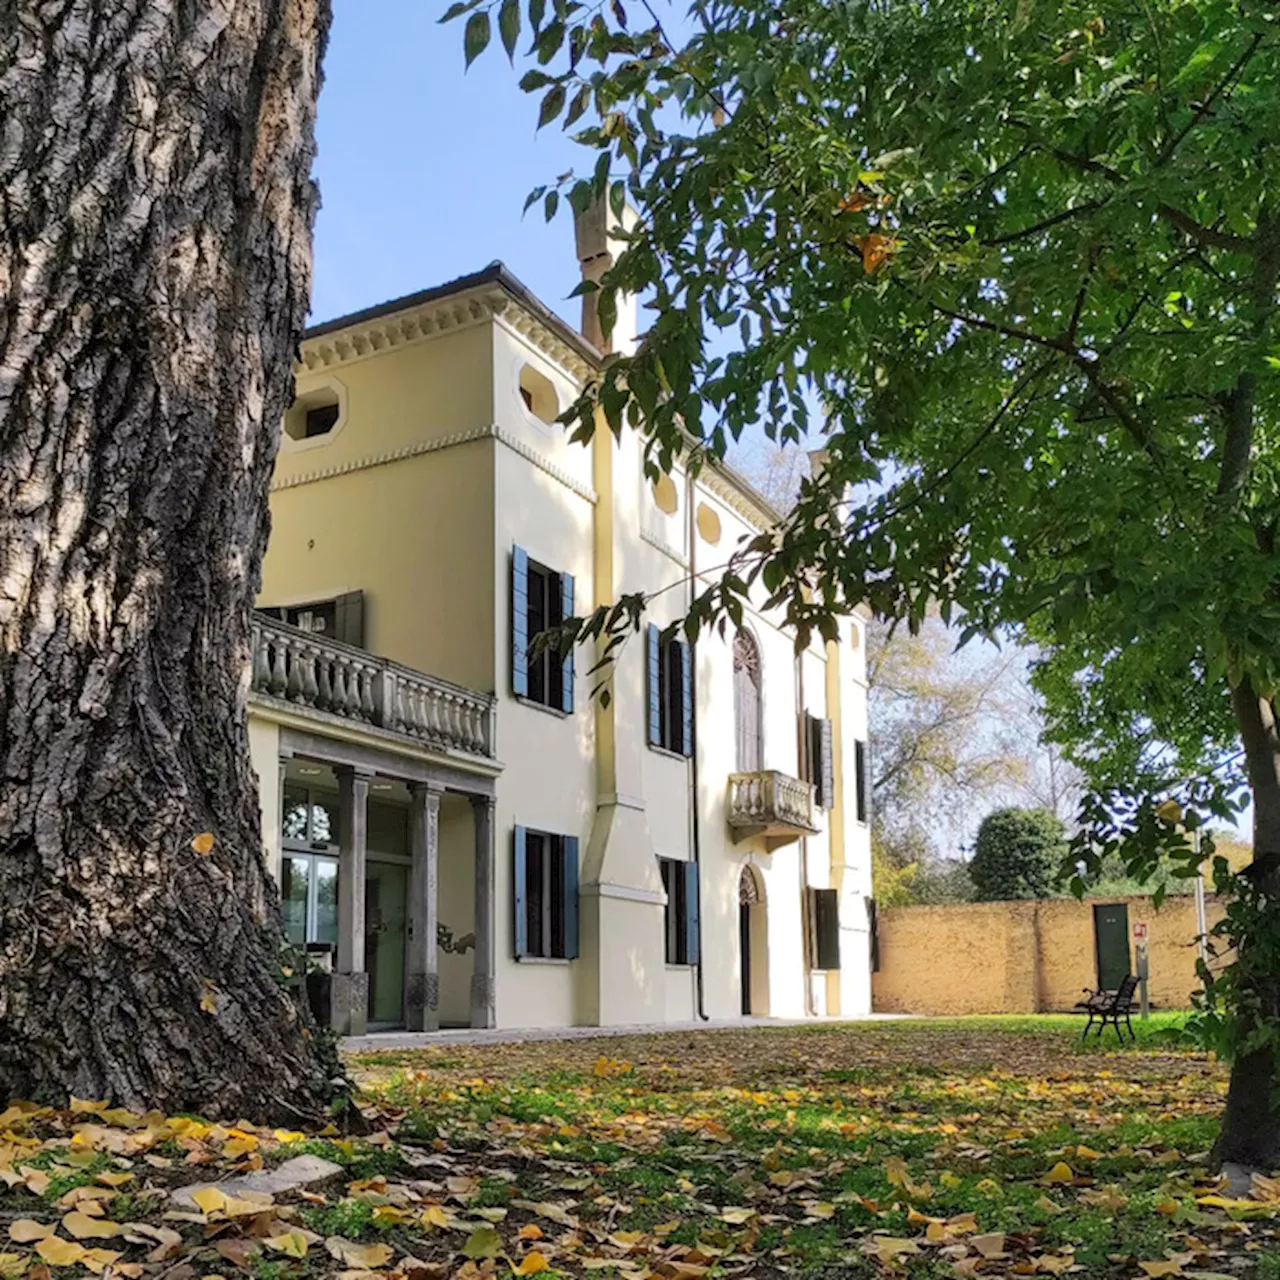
column 462, row 832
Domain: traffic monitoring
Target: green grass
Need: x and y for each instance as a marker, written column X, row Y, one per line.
column 833, row 1134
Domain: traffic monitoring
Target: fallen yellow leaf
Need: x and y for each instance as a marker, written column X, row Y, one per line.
column 209, row 1199
column 26, row 1230
column 98, row 1260
column 203, row 843
column 531, row 1264
column 1060, row 1173
column 367, row 1257
column 83, row 1227
column 292, row 1244
column 60, row 1253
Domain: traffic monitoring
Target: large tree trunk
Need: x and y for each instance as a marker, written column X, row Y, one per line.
column 1251, row 1125
column 155, row 241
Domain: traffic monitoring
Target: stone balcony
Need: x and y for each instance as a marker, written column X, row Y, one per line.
column 771, row 806
column 345, row 684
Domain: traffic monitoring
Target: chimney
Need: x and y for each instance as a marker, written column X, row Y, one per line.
column 597, row 252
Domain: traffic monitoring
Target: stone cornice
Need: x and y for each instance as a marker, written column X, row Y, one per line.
column 364, row 339
column 524, row 324
column 361, row 340
column 739, row 497
column 421, row 447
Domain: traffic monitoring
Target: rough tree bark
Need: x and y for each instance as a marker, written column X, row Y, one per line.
column 1251, row 1123
column 155, row 243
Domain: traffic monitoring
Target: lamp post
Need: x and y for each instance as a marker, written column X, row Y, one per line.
column 1202, row 924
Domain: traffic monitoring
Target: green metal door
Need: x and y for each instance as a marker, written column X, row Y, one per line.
column 1111, row 938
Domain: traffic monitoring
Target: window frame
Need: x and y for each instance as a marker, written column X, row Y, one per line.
column 545, row 906
column 541, row 600
column 824, row 914
column 671, row 695
column 681, row 921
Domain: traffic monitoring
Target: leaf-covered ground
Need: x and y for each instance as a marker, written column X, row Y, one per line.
column 919, row 1149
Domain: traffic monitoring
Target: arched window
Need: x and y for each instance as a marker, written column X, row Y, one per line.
column 747, row 703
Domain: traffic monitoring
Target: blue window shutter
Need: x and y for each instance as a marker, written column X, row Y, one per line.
column 655, row 688
column 520, row 622
column 519, row 892
column 686, row 688
column 566, row 612
column 693, row 915
column 570, row 897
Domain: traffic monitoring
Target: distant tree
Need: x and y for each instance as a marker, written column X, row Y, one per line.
column 943, row 882
column 776, row 470
column 1018, row 854
column 949, row 736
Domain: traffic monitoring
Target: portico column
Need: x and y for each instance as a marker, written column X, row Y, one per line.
column 482, row 978
column 350, row 981
column 422, row 1002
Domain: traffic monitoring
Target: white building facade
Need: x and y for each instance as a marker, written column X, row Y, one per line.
column 463, row 829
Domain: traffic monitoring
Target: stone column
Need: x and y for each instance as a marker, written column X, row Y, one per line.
column 422, row 1000
column 350, row 1008
column 482, row 978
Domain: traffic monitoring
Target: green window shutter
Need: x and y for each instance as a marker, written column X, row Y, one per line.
column 655, row 688
column 862, row 771
column 822, row 761
column 873, row 924
column 824, row 914
column 520, row 622
column 348, row 611
column 570, row 864
column 520, row 892
column 692, row 915
column 686, row 688
column 566, row 612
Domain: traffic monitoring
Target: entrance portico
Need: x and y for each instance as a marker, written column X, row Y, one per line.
column 362, row 784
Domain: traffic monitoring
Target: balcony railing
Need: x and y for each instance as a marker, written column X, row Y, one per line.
column 771, row 805
column 299, row 667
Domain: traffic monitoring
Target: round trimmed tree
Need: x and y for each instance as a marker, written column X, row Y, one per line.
column 1018, row 854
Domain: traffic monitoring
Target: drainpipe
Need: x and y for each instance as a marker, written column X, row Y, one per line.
column 695, row 835
column 802, row 747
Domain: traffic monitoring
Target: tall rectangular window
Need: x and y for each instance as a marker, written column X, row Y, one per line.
column 682, row 922
column 541, row 600
column 546, row 895
column 824, row 929
column 820, row 752
column 670, row 663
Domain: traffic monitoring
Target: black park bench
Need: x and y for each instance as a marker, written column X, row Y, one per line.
column 1108, row 1007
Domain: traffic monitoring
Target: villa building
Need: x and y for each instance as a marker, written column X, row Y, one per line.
column 478, row 839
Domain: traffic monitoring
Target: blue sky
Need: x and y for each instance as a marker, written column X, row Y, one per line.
column 424, row 167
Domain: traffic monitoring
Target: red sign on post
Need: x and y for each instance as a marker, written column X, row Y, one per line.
column 1139, row 930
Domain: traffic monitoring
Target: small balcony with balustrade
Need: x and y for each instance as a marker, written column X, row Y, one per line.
column 771, row 807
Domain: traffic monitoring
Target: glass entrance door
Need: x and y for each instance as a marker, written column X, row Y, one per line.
column 309, row 891
column 386, row 896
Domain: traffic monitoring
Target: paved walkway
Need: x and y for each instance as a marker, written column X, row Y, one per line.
column 392, row 1040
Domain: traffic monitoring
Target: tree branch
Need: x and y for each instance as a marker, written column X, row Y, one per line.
column 1209, row 236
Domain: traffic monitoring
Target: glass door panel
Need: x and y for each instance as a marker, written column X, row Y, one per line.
column 324, row 927
column 386, row 900
column 295, row 893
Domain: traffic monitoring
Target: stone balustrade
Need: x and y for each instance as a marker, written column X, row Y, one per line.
column 771, row 804
column 309, row 670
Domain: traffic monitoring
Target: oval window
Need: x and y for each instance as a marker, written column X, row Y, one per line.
column 708, row 524
column 538, row 394
column 665, row 497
